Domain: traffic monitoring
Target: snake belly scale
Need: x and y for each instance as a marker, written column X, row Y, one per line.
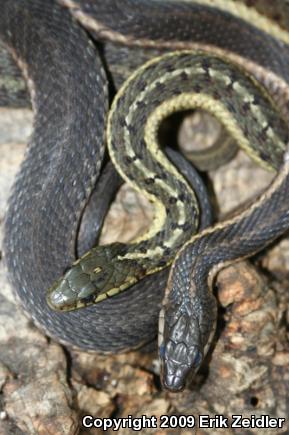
column 177, row 81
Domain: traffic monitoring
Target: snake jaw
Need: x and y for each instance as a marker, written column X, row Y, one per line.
column 181, row 350
column 57, row 299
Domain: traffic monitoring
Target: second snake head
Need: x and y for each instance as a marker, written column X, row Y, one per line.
column 181, row 350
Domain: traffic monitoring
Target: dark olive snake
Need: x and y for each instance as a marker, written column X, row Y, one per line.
column 69, row 95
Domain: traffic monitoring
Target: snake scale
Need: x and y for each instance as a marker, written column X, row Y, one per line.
column 215, row 41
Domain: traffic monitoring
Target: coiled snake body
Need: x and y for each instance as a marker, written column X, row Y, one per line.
column 66, row 151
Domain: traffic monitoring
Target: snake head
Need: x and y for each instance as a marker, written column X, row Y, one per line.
column 101, row 273
column 181, row 350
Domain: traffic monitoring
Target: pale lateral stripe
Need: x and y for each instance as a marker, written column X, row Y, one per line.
column 153, row 252
column 242, row 91
column 205, row 102
column 157, row 154
column 248, row 14
column 238, row 10
column 185, row 101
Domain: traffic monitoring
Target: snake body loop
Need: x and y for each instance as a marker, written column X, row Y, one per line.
column 69, row 95
column 66, row 152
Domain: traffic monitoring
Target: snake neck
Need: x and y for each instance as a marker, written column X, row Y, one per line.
column 187, row 330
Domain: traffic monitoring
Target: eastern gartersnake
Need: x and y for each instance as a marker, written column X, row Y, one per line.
column 51, row 187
